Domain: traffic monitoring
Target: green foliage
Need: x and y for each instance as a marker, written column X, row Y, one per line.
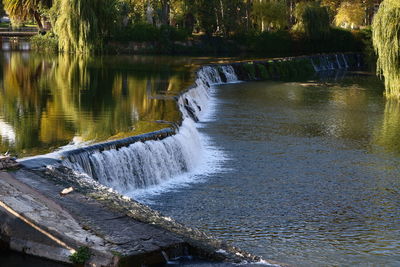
column 305, row 67
column 338, row 40
column 365, row 36
column 312, row 20
column 46, row 43
column 350, row 15
column 263, row 73
column 143, row 32
column 271, row 14
column 250, row 70
column 80, row 256
column 206, row 18
column 288, row 70
column 22, row 10
column 81, row 25
column 273, row 43
column 385, row 36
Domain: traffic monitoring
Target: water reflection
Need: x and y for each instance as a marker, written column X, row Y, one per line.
column 304, row 183
column 48, row 101
column 388, row 134
column 14, row 44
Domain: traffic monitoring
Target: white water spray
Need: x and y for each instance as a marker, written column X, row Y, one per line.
column 143, row 165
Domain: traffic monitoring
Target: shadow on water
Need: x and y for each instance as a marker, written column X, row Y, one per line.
column 14, row 259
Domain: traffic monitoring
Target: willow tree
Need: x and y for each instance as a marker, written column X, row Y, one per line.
column 20, row 10
column 386, row 41
column 82, row 25
column 312, row 19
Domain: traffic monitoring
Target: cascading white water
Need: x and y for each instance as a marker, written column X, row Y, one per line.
column 345, row 61
column 229, row 73
column 141, row 165
column 144, row 164
column 338, row 62
column 329, row 63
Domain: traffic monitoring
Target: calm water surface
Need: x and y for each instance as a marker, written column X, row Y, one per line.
column 51, row 101
column 311, row 178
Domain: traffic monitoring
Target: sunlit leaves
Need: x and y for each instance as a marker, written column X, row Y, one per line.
column 350, row 15
column 386, row 40
column 81, row 25
column 272, row 14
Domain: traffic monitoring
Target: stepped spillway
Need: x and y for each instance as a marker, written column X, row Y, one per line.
column 143, row 163
column 155, row 158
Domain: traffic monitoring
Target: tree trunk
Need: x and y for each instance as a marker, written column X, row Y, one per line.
column 39, row 23
column 222, row 22
column 165, row 12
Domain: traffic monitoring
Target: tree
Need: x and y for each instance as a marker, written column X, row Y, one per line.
column 20, row 10
column 312, row 19
column 385, row 37
column 350, row 15
column 81, row 25
column 273, row 14
column 206, row 15
column 2, row 11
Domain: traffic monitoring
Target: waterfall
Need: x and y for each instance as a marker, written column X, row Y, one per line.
column 140, row 162
column 229, row 73
column 316, row 69
column 332, row 62
column 132, row 164
column 345, row 61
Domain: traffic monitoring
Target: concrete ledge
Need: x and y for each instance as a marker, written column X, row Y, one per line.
column 73, row 221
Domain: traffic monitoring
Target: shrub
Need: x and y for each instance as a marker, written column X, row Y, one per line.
column 137, row 32
column 47, row 42
column 80, row 256
column 274, row 43
column 143, row 32
column 312, row 20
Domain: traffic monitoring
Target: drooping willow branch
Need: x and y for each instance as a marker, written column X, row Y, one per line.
column 386, row 41
column 82, row 24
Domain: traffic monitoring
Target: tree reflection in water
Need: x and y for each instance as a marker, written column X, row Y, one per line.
column 49, row 101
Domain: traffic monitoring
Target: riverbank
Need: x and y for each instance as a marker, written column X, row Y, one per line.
column 169, row 41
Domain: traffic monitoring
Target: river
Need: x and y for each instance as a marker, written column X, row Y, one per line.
column 310, row 174
column 304, row 173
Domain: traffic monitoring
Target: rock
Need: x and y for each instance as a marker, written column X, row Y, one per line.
column 66, row 191
column 6, row 162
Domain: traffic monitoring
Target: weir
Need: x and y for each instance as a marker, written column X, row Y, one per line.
column 120, row 231
column 143, row 161
column 148, row 160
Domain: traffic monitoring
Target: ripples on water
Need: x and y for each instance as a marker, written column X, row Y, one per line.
column 312, row 177
column 310, row 174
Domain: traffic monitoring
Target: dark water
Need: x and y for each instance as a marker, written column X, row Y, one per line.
column 312, row 175
column 48, row 101
column 14, row 259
